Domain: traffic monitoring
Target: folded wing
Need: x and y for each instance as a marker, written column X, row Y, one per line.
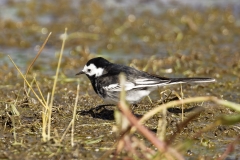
column 138, row 83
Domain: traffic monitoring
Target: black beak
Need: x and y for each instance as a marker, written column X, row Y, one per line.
column 80, row 73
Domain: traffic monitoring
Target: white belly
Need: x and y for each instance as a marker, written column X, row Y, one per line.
column 136, row 95
column 132, row 96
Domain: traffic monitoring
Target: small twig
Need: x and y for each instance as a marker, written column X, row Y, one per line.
column 64, row 134
column 39, row 52
column 55, row 84
column 14, row 127
column 74, row 115
column 172, row 103
column 229, row 149
column 184, row 123
column 39, row 99
column 181, row 99
column 160, row 145
column 39, row 90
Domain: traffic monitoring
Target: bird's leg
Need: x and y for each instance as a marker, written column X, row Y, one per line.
column 165, row 96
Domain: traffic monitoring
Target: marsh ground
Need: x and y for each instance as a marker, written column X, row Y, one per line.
column 167, row 39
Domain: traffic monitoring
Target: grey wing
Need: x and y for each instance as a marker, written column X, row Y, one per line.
column 142, row 79
column 137, row 83
column 150, row 82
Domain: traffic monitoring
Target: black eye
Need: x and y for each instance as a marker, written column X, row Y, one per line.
column 89, row 70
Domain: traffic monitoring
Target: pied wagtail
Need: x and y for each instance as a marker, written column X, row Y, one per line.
column 104, row 77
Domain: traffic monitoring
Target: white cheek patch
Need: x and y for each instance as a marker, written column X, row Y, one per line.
column 93, row 70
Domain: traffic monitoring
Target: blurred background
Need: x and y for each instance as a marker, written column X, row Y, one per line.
column 166, row 37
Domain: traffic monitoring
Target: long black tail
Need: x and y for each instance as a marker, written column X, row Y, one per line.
column 190, row 80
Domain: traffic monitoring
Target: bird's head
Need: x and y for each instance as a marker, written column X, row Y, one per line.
column 95, row 67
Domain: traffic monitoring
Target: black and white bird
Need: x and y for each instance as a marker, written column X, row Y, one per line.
column 104, row 77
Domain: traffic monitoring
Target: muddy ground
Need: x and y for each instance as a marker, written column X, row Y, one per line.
column 173, row 41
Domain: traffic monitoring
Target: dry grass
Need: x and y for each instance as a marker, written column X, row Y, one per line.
column 126, row 123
